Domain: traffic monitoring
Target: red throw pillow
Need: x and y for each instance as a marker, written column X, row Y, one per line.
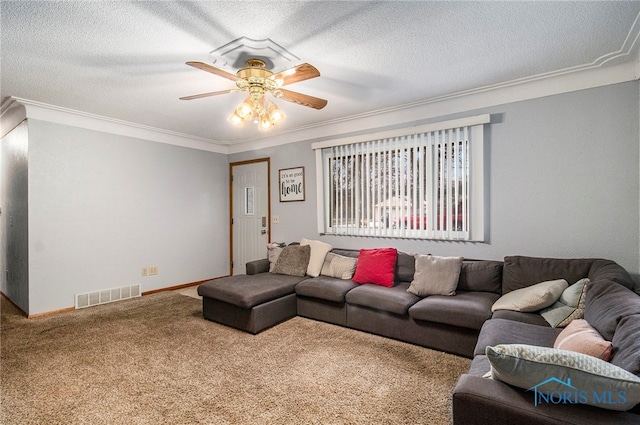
column 376, row 266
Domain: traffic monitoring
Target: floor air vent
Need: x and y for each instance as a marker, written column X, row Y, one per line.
column 107, row 296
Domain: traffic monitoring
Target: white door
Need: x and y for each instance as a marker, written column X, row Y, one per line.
column 250, row 230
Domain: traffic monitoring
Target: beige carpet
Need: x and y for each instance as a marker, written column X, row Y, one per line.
column 155, row 360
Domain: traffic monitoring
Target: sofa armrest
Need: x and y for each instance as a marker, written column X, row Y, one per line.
column 258, row 266
column 478, row 400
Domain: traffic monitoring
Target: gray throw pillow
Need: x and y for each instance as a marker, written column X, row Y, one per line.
column 293, row 260
column 435, row 275
column 338, row 266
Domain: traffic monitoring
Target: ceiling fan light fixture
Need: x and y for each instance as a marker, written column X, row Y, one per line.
column 236, row 119
column 275, row 113
column 245, row 109
column 256, row 79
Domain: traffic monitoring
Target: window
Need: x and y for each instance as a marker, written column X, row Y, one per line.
column 423, row 183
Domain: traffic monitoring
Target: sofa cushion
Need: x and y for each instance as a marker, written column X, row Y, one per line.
column 247, row 291
column 326, row 288
column 570, row 305
column 376, row 266
column 293, row 260
column 610, row 270
column 517, row 316
column 338, row 266
column 405, row 267
column 445, row 309
column 319, row 251
column 580, row 337
column 503, row 331
column 606, row 304
column 480, row 275
column 626, row 344
column 520, row 271
column 532, row 298
column 394, row 300
column 555, row 371
column 435, row 275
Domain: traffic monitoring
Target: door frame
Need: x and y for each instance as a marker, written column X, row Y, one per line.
column 237, row 164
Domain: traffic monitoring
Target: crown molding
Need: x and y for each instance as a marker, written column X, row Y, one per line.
column 45, row 112
column 596, row 74
column 558, row 82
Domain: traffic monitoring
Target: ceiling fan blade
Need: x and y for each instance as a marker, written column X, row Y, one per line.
column 298, row 73
column 213, row 93
column 302, row 99
column 212, row 69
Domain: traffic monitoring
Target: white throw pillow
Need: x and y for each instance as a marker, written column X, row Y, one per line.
column 319, row 250
column 532, row 298
column 435, row 275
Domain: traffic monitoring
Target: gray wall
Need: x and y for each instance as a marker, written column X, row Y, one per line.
column 103, row 206
column 14, row 219
column 562, row 181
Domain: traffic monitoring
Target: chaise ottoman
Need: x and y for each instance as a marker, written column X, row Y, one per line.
column 250, row 303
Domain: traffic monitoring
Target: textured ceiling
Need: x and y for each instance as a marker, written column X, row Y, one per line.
column 126, row 60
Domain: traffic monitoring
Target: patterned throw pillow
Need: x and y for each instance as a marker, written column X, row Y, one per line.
column 293, row 260
column 569, row 307
column 273, row 252
column 587, row 379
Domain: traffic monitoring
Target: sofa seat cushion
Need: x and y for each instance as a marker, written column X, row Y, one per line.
column 247, row 291
column 326, row 288
column 502, row 331
column 465, row 309
column 394, row 300
column 518, row 316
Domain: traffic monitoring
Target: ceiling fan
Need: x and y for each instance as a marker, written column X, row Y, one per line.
column 258, row 81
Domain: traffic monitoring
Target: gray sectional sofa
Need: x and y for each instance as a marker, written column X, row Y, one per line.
column 462, row 324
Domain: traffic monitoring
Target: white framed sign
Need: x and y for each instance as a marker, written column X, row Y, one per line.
column 291, row 184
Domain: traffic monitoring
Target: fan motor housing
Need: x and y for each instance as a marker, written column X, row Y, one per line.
column 255, row 74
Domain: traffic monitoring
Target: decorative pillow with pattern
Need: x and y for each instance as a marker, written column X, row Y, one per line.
column 273, row 252
column 569, row 307
column 293, row 260
column 587, row 379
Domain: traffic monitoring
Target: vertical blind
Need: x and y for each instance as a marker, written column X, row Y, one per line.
column 410, row 186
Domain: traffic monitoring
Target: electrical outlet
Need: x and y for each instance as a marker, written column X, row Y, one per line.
column 153, row 271
column 145, row 271
column 275, row 219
